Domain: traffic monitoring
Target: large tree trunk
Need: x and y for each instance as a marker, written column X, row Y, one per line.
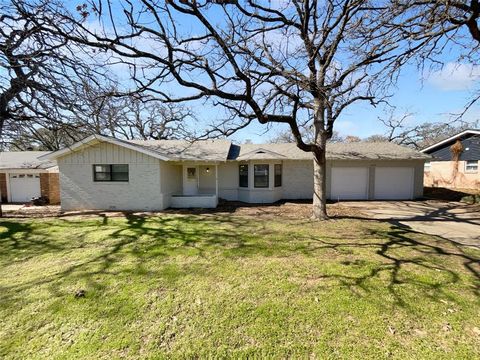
column 2, row 122
column 320, row 182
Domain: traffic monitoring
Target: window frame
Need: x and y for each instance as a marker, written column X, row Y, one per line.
column 427, row 166
column 110, row 172
column 471, row 171
column 277, row 178
column 255, row 176
column 240, row 176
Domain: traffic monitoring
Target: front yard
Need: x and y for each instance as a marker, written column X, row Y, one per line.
column 233, row 286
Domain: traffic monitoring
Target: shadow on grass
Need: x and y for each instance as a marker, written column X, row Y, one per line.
column 403, row 250
column 148, row 246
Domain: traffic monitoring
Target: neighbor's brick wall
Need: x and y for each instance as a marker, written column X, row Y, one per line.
column 3, row 187
column 443, row 174
column 50, row 187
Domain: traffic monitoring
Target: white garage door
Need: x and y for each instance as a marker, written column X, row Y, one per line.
column 349, row 183
column 24, row 186
column 394, row 183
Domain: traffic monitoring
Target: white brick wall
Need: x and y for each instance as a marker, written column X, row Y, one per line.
column 297, row 179
column 228, row 181
column 79, row 191
column 170, row 181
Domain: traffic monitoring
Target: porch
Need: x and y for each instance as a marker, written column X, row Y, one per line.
column 199, row 187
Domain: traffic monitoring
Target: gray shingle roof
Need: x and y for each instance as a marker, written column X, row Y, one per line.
column 222, row 150
column 202, row 150
column 24, row 160
column 335, row 151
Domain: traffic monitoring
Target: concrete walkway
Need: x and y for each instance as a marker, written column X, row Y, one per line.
column 454, row 221
column 12, row 207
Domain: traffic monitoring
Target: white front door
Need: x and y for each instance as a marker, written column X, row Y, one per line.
column 23, row 187
column 190, row 180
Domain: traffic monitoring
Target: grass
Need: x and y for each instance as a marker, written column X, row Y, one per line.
column 229, row 286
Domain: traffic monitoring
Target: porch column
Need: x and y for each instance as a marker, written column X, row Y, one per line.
column 216, row 180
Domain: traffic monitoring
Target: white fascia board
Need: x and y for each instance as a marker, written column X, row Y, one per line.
column 474, row 132
column 253, row 152
column 100, row 138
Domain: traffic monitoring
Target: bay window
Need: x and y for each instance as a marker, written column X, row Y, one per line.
column 278, row 175
column 260, row 175
column 243, row 175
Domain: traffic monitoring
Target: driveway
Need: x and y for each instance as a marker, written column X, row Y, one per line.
column 454, row 221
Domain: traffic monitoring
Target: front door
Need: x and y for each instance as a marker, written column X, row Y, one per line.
column 190, row 180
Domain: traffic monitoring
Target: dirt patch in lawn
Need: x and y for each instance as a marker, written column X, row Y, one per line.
column 282, row 209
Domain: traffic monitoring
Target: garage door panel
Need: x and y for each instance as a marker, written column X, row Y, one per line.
column 23, row 187
column 349, row 183
column 394, row 183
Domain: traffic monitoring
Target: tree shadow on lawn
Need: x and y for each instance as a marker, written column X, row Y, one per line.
column 405, row 252
column 146, row 246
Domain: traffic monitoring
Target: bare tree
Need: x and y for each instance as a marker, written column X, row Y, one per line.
column 40, row 72
column 286, row 136
column 134, row 117
column 419, row 136
column 444, row 27
column 300, row 63
column 126, row 117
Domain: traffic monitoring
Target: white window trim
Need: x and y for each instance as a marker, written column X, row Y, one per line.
column 471, row 171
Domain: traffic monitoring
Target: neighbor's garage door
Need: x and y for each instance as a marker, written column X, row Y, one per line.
column 394, row 183
column 349, row 183
column 24, row 186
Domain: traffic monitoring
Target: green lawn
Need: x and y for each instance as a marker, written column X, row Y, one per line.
column 230, row 286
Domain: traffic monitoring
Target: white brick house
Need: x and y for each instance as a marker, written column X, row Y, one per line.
column 100, row 172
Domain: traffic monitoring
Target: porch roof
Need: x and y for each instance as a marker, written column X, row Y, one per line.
column 182, row 150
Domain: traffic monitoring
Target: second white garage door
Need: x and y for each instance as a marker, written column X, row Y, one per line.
column 24, row 186
column 394, row 183
column 349, row 183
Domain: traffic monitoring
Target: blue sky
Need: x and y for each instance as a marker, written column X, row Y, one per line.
column 430, row 97
column 433, row 99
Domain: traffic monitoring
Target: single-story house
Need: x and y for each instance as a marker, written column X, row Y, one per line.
column 455, row 167
column 24, row 176
column 105, row 173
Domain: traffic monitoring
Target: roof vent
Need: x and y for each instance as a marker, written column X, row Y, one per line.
column 260, row 152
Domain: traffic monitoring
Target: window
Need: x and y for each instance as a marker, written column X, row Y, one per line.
column 260, row 179
column 115, row 172
column 243, row 175
column 427, row 166
column 191, row 173
column 278, row 175
column 471, row 166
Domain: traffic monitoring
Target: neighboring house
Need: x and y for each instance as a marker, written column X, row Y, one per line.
column 105, row 173
column 444, row 171
column 23, row 176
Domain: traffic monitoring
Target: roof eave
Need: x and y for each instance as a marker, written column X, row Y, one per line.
column 100, row 138
column 456, row 136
